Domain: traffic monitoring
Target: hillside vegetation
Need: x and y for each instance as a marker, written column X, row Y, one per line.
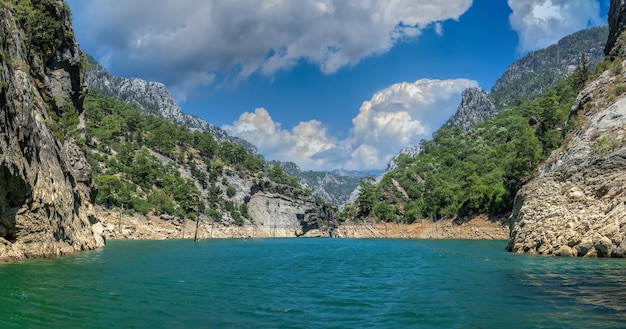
column 144, row 163
column 478, row 172
column 528, row 77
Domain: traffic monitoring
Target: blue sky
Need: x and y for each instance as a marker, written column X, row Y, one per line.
column 324, row 83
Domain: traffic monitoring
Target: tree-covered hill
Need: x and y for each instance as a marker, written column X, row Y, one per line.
column 479, row 171
column 153, row 98
column 144, row 163
column 529, row 76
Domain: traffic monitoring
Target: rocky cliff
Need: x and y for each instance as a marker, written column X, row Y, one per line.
column 617, row 24
column 577, row 204
column 152, row 97
column 475, row 107
column 45, row 182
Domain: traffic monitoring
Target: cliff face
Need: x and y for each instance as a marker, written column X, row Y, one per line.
column 617, row 25
column 45, row 181
column 475, row 107
column 577, row 204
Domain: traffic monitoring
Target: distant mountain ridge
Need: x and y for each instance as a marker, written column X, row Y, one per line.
column 532, row 74
column 154, row 98
column 334, row 187
column 529, row 76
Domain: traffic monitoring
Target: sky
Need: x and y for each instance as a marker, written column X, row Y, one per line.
column 326, row 84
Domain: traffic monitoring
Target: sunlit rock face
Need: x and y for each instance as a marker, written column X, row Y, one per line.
column 46, row 185
column 475, row 108
column 577, row 204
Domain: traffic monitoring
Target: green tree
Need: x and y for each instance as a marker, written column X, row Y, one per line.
column 109, row 188
column 368, row 197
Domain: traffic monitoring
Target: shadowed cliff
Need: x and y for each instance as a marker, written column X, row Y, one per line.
column 46, row 185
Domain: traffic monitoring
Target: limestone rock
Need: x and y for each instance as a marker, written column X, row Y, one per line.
column 280, row 212
column 46, row 186
column 577, row 204
column 475, row 108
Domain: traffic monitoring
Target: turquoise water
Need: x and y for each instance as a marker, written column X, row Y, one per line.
column 312, row 283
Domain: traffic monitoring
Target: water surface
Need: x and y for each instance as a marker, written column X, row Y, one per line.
column 312, row 283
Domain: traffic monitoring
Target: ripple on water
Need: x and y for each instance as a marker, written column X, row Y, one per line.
column 313, row 283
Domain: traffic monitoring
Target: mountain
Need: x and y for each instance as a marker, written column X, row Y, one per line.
column 46, row 188
column 577, row 204
column 154, row 98
column 476, row 163
column 334, row 187
column 157, row 174
column 475, row 107
column 532, row 74
column 527, row 78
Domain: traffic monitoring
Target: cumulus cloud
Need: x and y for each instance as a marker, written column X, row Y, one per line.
column 540, row 23
column 299, row 144
column 190, row 39
column 397, row 116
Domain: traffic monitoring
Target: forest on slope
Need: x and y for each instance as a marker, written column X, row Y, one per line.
column 144, row 163
column 480, row 171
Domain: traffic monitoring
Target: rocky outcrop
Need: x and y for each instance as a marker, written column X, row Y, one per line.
column 284, row 216
column 475, row 108
column 411, row 151
column 617, row 26
column 46, row 186
column 154, row 98
column 577, row 205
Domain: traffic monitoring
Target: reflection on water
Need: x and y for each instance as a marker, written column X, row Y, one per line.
column 600, row 283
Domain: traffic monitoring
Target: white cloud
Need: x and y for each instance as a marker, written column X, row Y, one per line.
column 189, row 38
column 540, row 23
column 397, row 116
column 299, row 144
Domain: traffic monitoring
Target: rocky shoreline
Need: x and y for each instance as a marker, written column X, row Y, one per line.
column 156, row 228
